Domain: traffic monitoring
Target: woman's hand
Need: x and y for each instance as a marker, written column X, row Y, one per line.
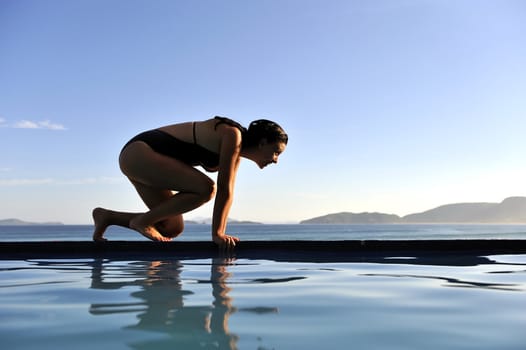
column 225, row 242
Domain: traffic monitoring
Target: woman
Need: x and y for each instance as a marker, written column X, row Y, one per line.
column 160, row 164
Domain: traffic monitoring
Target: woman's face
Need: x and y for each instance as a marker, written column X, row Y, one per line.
column 268, row 153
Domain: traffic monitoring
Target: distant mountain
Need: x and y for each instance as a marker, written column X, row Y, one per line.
column 244, row 222
column 18, row 222
column 510, row 210
column 352, row 218
column 208, row 221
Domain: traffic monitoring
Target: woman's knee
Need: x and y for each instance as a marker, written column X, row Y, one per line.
column 207, row 190
column 172, row 227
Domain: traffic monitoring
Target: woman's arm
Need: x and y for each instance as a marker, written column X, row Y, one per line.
column 229, row 158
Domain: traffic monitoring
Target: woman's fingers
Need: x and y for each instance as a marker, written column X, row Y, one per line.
column 226, row 242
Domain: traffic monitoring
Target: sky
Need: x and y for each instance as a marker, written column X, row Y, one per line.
column 391, row 106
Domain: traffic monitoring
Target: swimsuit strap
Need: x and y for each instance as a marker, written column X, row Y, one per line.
column 228, row 121
column 195, row 142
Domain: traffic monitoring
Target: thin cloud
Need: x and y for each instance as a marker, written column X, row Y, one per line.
column 92, row 181
column 24, row 182
column 25, row 124
column 61, row 182
column 46, row 124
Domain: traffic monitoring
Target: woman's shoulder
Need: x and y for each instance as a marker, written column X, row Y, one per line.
column 228, row 122
column 221, row 125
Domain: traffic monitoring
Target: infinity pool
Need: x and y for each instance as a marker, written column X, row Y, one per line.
column 392, row 302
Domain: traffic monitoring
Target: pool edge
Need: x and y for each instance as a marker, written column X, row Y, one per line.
column 258, row 249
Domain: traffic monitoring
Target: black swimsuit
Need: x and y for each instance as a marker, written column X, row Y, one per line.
column 190, row 153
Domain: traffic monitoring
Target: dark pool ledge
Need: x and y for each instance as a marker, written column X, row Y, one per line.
column 314, row 251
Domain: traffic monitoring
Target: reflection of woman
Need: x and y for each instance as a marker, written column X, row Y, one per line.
column 161, row 306
column 223, row 307
column 161, row 161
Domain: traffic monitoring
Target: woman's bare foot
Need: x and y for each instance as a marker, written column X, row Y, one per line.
column 148, row 231
column 100, row 218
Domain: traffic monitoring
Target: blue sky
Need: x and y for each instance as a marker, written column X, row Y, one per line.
column 392, row 106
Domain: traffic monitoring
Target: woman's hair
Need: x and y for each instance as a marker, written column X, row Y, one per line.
column 257, row 130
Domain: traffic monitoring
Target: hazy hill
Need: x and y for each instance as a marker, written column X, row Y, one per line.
column 208, row 221
column 352, row 218
column 510, row 210
column 18, row 222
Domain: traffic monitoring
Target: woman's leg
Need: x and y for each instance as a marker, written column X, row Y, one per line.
column 170, row 227
column 155, row 176
column 104, row 218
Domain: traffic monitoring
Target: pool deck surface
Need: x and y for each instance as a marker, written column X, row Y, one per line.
column 457, row 252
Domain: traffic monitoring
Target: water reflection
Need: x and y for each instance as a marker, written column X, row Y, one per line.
column 190, row 303
column 161, row 304
column 455, row 282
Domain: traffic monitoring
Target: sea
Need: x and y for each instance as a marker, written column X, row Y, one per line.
column 273, row 232
column 217, row 302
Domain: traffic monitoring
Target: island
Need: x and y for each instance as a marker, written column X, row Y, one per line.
column 18, row 222
column 510, row 211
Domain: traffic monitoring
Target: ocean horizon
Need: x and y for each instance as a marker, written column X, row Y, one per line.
column 258, row 232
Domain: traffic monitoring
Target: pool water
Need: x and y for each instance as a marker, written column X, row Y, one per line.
column 394, row 303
